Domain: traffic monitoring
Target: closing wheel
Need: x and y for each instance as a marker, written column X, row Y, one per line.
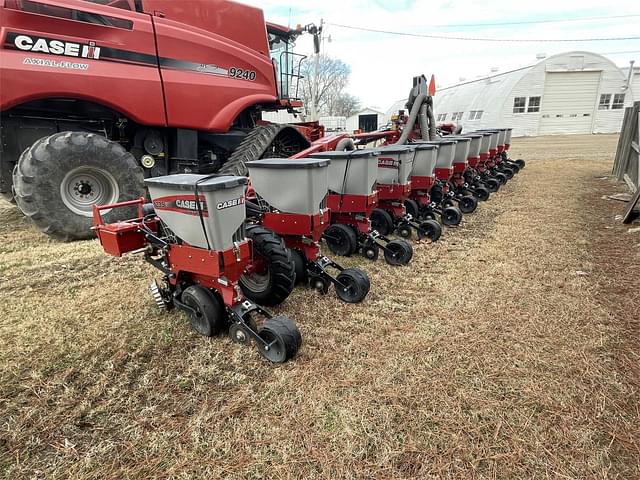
column 492, row 184
column 501, row 177
column 399, row 252
column 412, row 208
column 371, row 252
column 341, row 239
column 451, row 216
column 208, row 317
column 382, row 221
column 508, row 172
column 467, row 204
column 448, row 202
column 270, row 280
column 356, row 285
column 521, row 163
column 430, row 229
column 404, row 230
column 482, row 193
column 282, row 337
column 514, row 166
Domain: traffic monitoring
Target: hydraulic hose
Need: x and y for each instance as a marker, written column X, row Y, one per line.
column 432, row 119
column 413, row 116
column 424, row 121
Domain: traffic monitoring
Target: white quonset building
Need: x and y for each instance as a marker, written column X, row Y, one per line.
column 573, row 92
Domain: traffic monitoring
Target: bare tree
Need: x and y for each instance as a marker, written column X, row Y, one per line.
column 322, row 88
column 346, row 105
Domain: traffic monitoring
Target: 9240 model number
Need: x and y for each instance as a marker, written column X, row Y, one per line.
column 235, row 72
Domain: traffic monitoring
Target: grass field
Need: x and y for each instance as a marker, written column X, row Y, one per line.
column 508, row 350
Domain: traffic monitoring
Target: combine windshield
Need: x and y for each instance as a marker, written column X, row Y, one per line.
column 287, row 64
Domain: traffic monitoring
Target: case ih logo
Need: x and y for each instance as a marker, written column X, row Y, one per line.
column 230, row 203
column 386, row 162
column 186, row 204
column 55, row 47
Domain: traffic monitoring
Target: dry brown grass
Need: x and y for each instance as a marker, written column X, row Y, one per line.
column 489, row 357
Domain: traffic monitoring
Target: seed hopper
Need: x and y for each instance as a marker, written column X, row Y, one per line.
column 489, row 157
column 439, row 193
column 194, row 234
column 290, row 201
column 395, row 165
column 457, row 189
column 352, row 197
column 503, row 147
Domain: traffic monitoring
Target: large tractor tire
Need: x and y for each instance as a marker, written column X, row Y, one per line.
column 61, row 177
column 265, row 141
column 272, row 277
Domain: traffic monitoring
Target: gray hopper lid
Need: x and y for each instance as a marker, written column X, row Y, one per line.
column 469, row 135
column 460, row 138
column 345, row 154
column 441, row 141
column 487, row 130
column 425, row 146
column 395, row 148
column 187, row 181
column 484, row 133
column 288, row 163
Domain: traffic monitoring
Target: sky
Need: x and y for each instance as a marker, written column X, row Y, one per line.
column 383, row 65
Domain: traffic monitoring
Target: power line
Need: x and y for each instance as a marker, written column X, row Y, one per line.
column 529, row 22
column 481, row 39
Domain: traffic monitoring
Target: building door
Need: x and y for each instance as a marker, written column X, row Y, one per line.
column 569, row 102
column 368, row 123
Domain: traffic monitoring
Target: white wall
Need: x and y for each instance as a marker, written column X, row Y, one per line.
column 353, row 120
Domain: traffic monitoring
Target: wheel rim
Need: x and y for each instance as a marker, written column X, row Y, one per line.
column 467, row 205
column 395, row 255
column 84, row 187
column 450, row 217
column 198, row 323
column 277, row 353
column 404, row 232
column 338, row 242
column 259, row 278
column 350, row 294
column 371, row 253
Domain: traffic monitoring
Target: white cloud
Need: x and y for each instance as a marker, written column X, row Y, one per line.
column 383, row 65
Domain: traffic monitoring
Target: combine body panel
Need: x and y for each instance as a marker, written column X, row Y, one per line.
column 47, row 54
column 180, row 85
column 188, row 56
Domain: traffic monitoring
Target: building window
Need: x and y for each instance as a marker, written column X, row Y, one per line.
column 618, row 101
column 519, row 104
column 442, row 117
column 456, row 116
column 534, row 104
column 605, row 100
column 475, row 114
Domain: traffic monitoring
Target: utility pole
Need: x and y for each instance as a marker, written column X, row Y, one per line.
column 314, row 103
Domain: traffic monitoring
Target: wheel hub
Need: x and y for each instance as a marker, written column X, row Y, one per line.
column 85, row 186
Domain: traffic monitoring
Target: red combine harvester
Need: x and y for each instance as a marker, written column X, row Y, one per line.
column 194, row 234
column 180, row 88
